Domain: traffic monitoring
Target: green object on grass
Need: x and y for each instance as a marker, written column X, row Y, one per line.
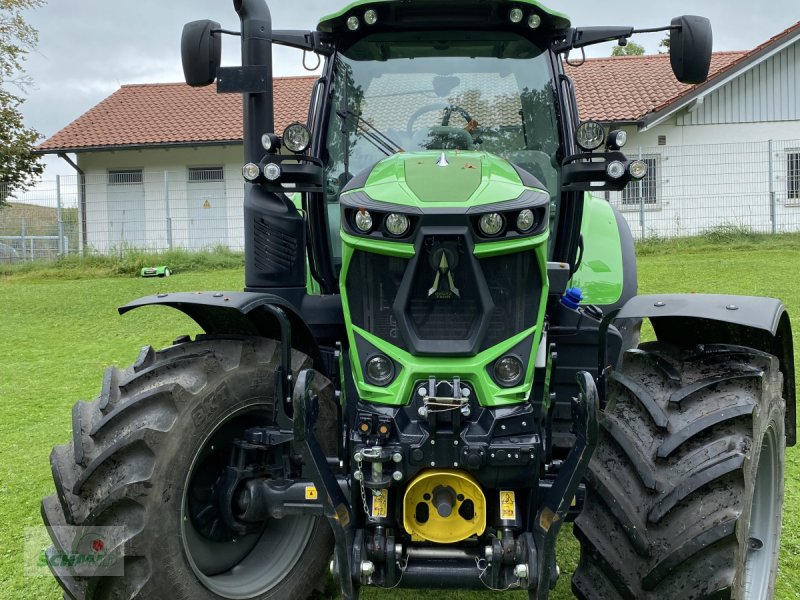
column 162, row 271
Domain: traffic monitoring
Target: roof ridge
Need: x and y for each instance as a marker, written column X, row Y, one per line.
column 183, row 84
column 663, row 55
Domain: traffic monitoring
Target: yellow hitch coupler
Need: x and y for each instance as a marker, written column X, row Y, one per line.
column 444, row 507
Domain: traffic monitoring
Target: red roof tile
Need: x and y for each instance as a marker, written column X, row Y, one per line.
column 625, row 88
column 174, row 113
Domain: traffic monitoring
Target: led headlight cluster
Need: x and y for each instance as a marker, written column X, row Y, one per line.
column 395, row 225
column 495, row 224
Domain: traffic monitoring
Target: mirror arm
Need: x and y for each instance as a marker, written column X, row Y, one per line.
column 581, row 37
column 310, row 41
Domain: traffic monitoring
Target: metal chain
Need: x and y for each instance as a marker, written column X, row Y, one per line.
column 367, row 512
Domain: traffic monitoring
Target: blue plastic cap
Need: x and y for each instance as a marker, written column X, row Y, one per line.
column 572, row 298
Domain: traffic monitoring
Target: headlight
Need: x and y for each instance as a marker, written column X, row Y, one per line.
column 534, row 21
column 526, row 220
column 590, row 135
column 363, row 220
column 492, row 224
column 296, row 137
column 638, row 169
column 272, row 172
column 615, row 169
column 508, row 371
column 251, row 171
column 380, row 370
column 397, row 224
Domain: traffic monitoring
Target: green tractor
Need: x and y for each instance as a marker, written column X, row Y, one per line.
column 435, row 363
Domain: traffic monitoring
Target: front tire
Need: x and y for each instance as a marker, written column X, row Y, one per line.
column 144, row 456
column 685, row 489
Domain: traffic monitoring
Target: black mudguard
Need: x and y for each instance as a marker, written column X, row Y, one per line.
column 318, row 321
column 690, row 319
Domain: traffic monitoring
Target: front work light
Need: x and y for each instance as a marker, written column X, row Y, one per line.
column 297, row 138
column 534, row 21
column 371, row 16
column 516, row 15
column 353, row 23
column 590, row 135
column 617, row 139
column 397, row 224
column 492, row 224
column 380, row 370
column 270, row 142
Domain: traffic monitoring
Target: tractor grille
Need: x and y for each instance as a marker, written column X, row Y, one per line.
column 444, row 302
column 515, row 284
column 372, row 285
column 446, row 298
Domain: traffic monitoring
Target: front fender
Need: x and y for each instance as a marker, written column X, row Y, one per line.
column 245, row 313
column 754, row 322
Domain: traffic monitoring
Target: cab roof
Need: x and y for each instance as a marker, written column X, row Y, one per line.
column 422, row 14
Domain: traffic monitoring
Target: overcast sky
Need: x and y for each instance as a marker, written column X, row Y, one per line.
column 88, row 48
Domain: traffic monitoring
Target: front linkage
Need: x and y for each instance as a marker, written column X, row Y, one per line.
column 522, row 558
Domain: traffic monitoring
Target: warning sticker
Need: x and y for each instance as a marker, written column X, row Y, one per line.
column 508, row 506
column 206, row 204
column 380, row 504
column 311, row 492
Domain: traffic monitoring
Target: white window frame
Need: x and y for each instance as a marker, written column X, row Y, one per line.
column 629, row 197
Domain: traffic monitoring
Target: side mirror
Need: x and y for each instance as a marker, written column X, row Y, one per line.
column 690, row 45
column 201, row 52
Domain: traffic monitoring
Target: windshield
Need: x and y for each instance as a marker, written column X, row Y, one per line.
column 490, row 92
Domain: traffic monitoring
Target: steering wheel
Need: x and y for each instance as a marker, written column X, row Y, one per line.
column 459, row 135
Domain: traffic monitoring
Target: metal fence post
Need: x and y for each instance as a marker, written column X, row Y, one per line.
column 166, row 208
column 61, row 248
column 772, row 205
column 81, row 214
column 22, row 236
column 641, row 200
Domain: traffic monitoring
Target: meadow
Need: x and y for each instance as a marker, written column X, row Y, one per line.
column 59, row 329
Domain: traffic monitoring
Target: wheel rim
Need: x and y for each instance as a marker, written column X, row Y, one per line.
column 764, row 520
column 247, row 566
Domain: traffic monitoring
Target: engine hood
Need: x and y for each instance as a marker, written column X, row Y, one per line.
column 436, row 179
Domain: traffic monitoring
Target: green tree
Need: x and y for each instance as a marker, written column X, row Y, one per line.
column 18, row 165
column 632, row 49
column 663, row 46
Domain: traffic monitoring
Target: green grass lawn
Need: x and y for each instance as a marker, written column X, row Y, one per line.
column 58, row 333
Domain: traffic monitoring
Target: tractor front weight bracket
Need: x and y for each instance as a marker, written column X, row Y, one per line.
column 338, row 510
column 556, row 505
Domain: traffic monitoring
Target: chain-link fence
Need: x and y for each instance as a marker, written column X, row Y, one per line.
column 689, row 190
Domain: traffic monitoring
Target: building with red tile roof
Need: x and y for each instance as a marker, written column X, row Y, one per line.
column 185, row 143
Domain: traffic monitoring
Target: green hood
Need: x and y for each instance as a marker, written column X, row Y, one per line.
column 424, row 180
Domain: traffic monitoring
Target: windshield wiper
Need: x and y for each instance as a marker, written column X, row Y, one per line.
column 372, row 134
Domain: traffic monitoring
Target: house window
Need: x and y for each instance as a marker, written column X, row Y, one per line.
column 646, row 190
column 205, row 174
column 793, row 176
column 126, row 177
